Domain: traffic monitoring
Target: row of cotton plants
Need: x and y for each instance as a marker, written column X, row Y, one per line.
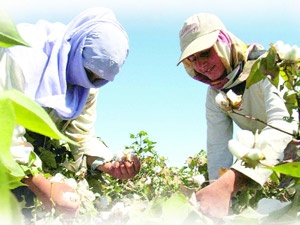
column 157, row 195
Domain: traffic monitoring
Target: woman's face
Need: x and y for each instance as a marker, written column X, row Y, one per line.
column 209, row 64
column 92, row 76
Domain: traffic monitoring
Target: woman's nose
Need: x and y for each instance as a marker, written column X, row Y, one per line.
column 199, row 65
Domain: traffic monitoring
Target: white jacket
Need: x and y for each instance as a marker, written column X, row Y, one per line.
column 262, row 100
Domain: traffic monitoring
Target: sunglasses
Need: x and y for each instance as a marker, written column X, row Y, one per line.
column 196, row 56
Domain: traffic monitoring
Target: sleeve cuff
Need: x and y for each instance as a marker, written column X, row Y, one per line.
column 260, row 174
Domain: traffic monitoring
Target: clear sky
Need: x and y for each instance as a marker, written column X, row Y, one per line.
column 151, row 93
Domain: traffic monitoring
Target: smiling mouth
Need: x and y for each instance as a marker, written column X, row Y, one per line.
column 215, row 82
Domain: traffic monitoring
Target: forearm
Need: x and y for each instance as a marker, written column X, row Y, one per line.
column 233, row 181
column 91, row 159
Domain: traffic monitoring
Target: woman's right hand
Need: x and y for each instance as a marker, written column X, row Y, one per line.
column 54, row 194
column 124, row 169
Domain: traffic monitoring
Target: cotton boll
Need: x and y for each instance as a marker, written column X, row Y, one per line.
column 119, row 209
column 72, row 183
column 234, row 98
column 58, row 178
column 222, row 100
column 282, row 49
column 294, row 54
column 127, row 154
column 118, row 156
column 71, row 196
column 157, row 169
column 199, row 179
column 287, row 52
column 228, row 101
column 124, row 155
column 279, row 45
column 85, row 193
column 148, row 181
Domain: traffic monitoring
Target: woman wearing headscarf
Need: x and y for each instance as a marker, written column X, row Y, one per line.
column 63, row 71
column 214, row 56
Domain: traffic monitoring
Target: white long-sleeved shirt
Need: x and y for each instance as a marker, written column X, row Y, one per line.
column 261, row 100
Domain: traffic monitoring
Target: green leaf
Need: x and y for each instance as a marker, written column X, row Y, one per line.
column 48, row 158
column 176, row 209
column 9, row 211
column 9, row 35
column 32, row 116
column 291, row 169
column 290, row 101
column 248, row 216
column 7, row 124
column 255, row 75
column 263, row 67
column 13, row 181
column 285, row 216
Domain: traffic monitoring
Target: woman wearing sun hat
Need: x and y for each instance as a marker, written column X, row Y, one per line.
column 62, row 70
column 214, row 56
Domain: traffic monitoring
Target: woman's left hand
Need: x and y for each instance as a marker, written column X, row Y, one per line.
column 215, row 198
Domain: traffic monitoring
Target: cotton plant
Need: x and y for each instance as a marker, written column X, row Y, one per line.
column 90, row 201
column 287, row 52
column 281, row 62
column 281, row 65
column 82, row 194
column 71, row 196
column 82, row 191
column 247, row 147
column 121, row 211
column 79, row 167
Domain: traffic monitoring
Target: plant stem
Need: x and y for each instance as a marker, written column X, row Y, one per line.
column 258, row 120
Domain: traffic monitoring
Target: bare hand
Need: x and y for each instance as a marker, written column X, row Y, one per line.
column 215, row 198
column 54, row 194
column 124, row 169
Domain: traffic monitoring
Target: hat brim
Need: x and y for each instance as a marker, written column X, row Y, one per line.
column 201, row 43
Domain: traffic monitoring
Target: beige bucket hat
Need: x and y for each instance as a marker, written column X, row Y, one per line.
column 199, row 32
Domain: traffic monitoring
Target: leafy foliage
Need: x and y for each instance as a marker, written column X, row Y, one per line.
column 264, row 66
column 155, row 179
column 16, row 108
column 158, row 191
column 158, row 194
column 9, row 35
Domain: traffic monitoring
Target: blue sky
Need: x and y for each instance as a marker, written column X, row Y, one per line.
column 151, row 93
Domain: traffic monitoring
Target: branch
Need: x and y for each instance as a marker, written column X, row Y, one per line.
column 258, row 120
